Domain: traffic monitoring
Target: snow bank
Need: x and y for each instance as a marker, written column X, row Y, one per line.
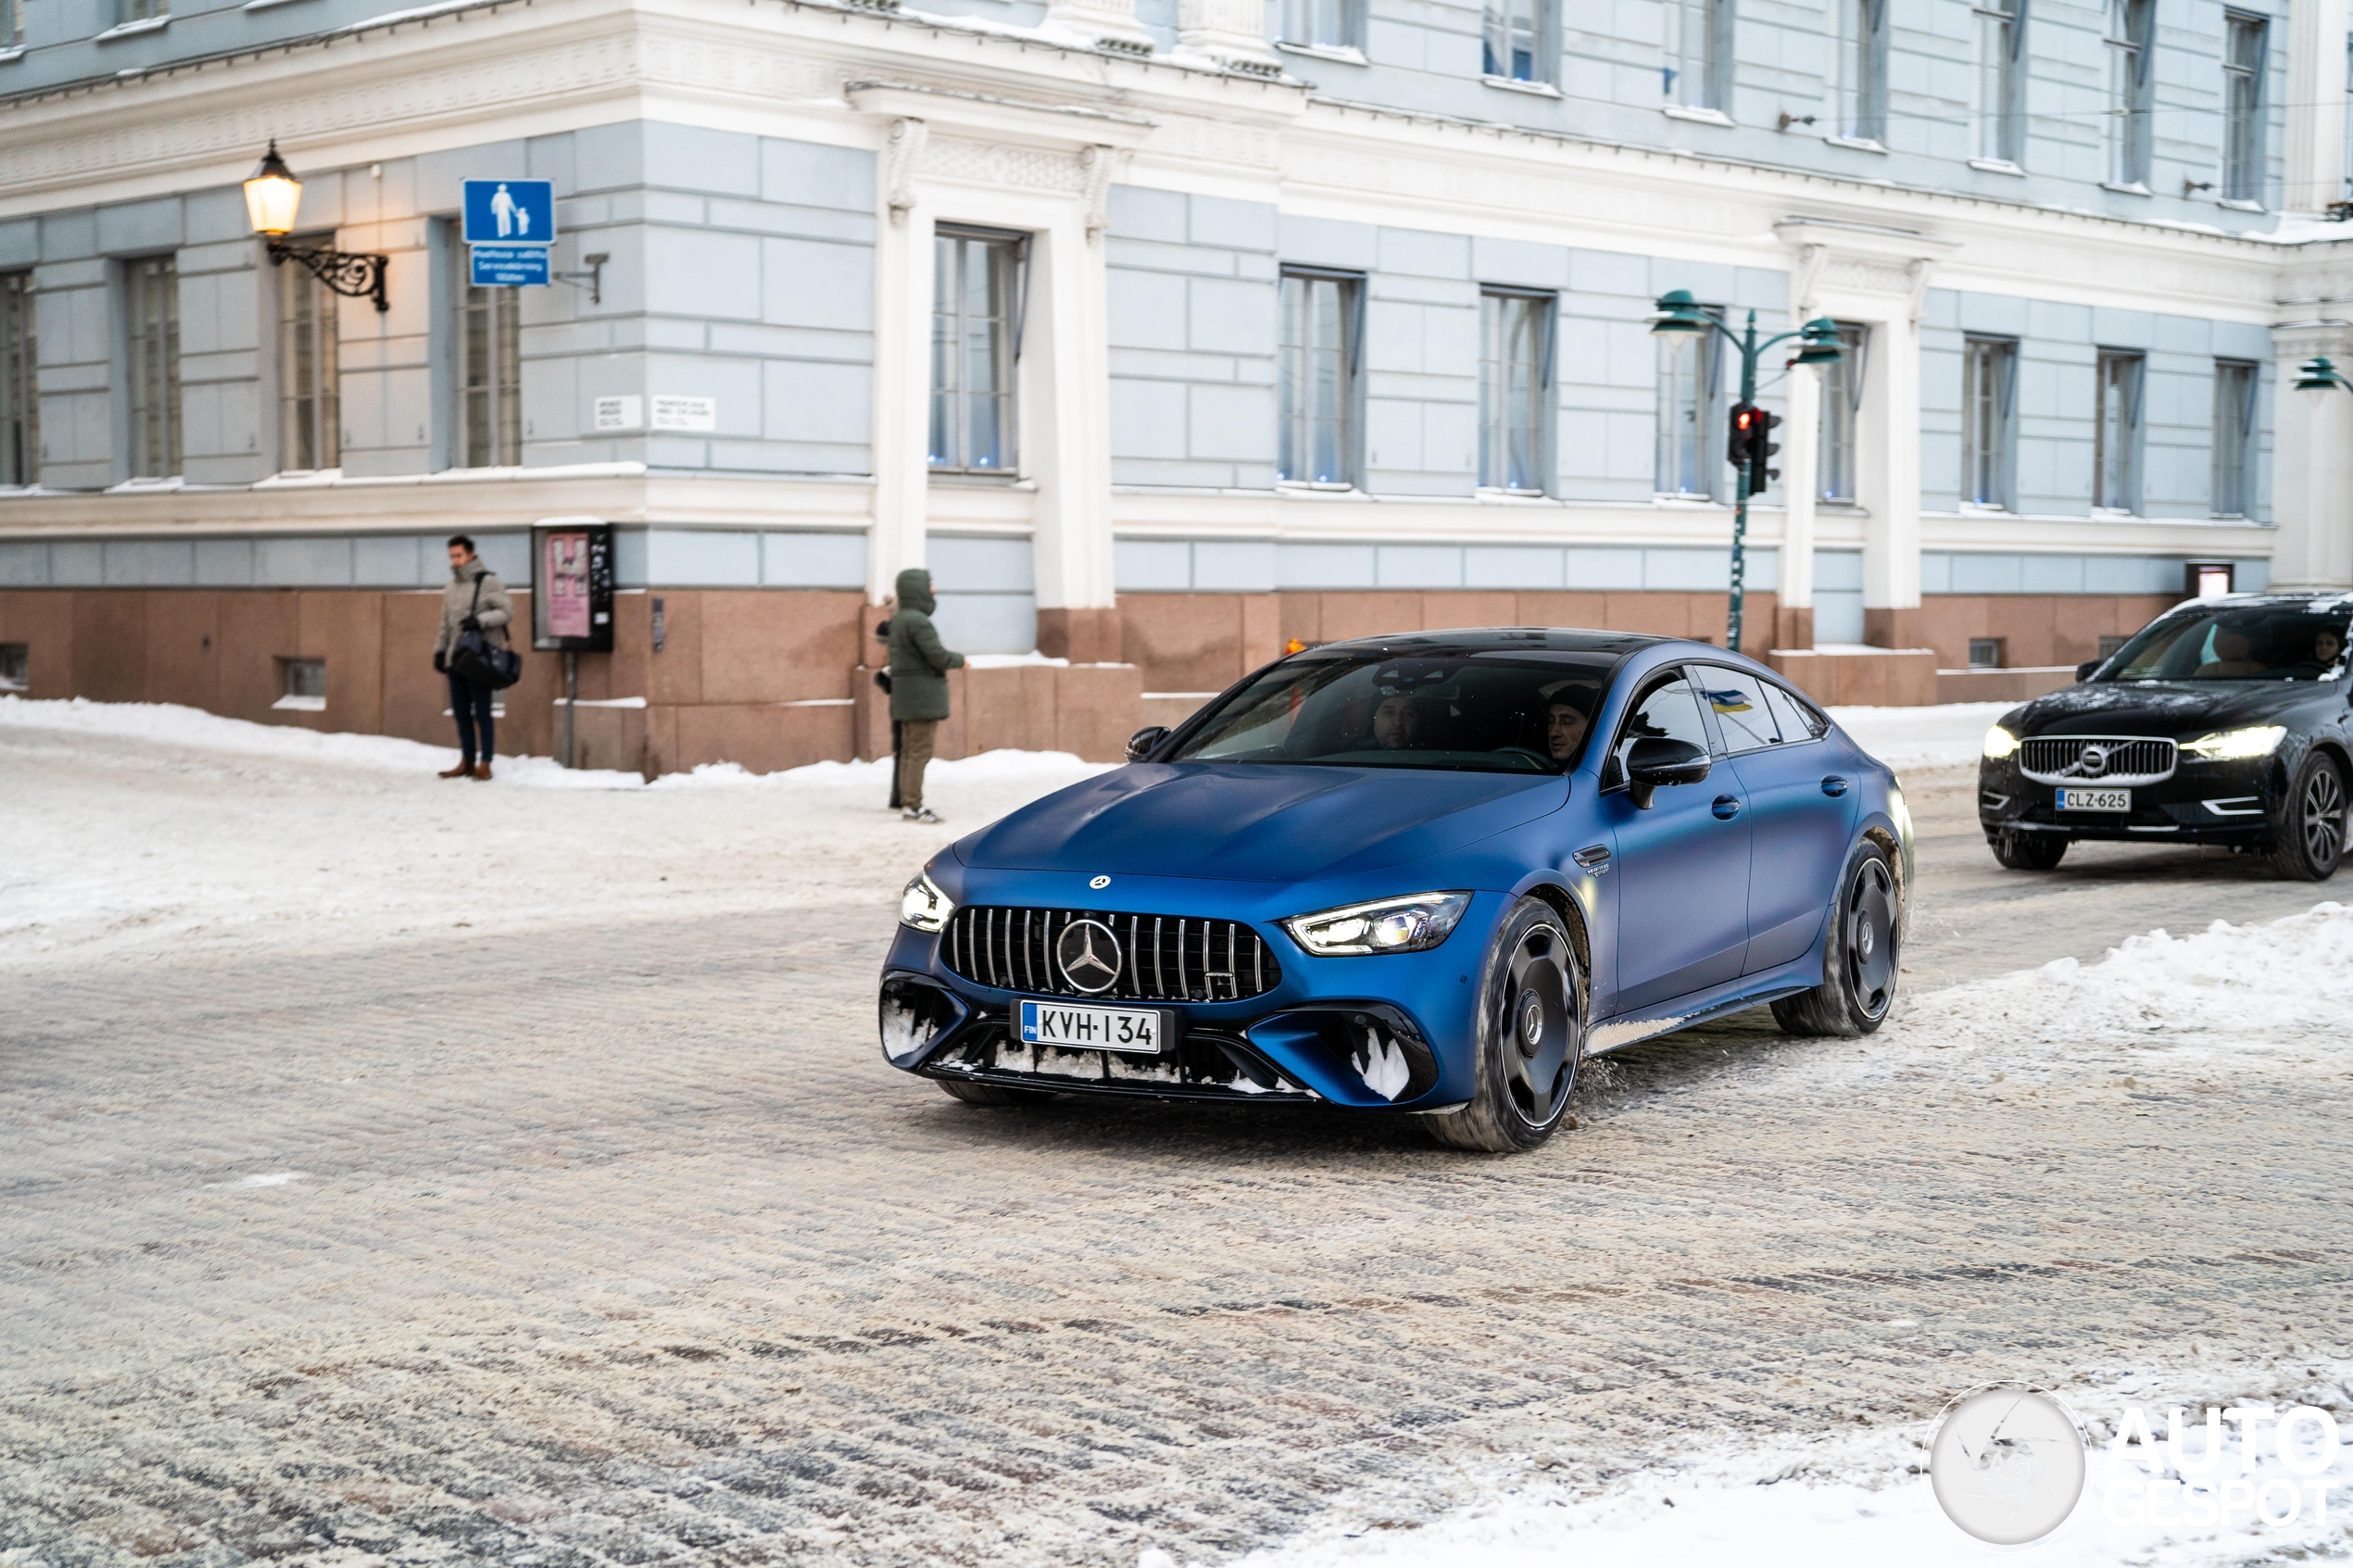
column 1922, row 737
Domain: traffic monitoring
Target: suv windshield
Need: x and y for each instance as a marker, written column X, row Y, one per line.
column 1479, row 713
column 2273, row 642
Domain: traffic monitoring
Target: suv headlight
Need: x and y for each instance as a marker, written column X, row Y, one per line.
column 2237, row 746
column 1392, row 925
column 924, row 906
column 1999, row 743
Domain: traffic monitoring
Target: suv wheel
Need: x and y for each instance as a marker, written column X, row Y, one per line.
column 2028, row 851
column 2311, row 836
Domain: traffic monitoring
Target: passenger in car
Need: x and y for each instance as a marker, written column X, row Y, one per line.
column 1397, row 724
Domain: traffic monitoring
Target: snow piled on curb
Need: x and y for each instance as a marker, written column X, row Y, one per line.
column 166, row 723
column 1922, row 737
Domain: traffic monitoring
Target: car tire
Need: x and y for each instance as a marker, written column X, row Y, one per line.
column 2312, row 839
column 1863, row 961
column 2028, row 851
column 989, row 1094
column 1530, row 1036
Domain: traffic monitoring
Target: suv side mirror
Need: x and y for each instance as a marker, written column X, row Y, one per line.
column 2084, row 670
column 1658, row 762
column 1146, row 741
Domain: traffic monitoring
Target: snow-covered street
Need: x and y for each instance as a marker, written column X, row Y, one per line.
column 404, row 1170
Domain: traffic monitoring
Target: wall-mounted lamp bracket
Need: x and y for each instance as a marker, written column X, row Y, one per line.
column 595, row 276
column 353, row 274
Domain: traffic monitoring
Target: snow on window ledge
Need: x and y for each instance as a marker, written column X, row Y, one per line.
column 13, row 52
column 1344, row 53
column 132, row 29
column 2125, row 188
column 301, row 704
column 1996, row 166
column 1699, row 116
column 1514, row 84
column 1856, row 143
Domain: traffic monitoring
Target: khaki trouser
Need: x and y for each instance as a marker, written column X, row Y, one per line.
column 916, row 737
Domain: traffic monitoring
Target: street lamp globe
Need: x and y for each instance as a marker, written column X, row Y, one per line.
column 2317, row 375
column 1819, row 344
column 273, row 195
column 1678, row 313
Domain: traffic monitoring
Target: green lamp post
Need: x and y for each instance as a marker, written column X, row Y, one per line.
column 2318, row 374
column 1750, row 441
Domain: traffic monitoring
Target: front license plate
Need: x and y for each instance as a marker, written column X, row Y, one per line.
column 2095, row 801
column 1140, row 1030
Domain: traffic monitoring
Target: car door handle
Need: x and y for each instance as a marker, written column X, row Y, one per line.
column 1594, row 858
column 1728, row 807
column 1833, row 785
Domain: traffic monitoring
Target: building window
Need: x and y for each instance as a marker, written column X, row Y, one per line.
column 304, row 684
column 1859, row 88
column 2242, row 139
column 11, row 24
column 1989, row 378
column 976, row 339
column 1316, row 22
column 1316, row 377
column 19, row 383
column 16, row 667
column 144, row 10
column 1516, row 48
column 2116, row 434
column 1690, row 403
column 1999, row 107
column 151, row 293
column 490, row 334
column 1842, row 408
column 2129, row 81
column 2235, row 390
column 1698, row 45
column 309, row 372
column 1515, row 389
column 1985, row 653
column 2348, row 113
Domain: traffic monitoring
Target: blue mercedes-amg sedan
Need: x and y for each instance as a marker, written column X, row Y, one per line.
column 1427, row 874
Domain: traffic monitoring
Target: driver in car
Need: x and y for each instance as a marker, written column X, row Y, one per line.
column 1397, row 724
column 2328, row 647
column 1565, row 727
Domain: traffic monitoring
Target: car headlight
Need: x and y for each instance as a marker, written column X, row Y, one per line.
column 2237, row 746
column 924, row 906
column 1392, row 925
column 1999, row 743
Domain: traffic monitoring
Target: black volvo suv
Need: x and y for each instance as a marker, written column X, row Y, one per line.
column 2224, row 722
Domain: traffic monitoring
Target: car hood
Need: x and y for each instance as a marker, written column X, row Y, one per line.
column 2182, row 709
column 1239, row 822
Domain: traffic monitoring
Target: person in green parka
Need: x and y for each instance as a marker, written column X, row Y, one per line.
column 919, row 667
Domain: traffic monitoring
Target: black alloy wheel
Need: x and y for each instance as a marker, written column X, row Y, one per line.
column 2028, row 851
column 1864, row 963
column 2312, row 839
column 1531, row 1036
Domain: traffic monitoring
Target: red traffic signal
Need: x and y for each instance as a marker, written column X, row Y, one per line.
column 1747, row 421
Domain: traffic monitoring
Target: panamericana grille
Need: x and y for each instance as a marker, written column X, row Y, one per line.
column 1162, row 957
column 2107, row 759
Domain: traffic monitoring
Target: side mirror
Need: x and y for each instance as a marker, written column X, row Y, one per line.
column 2084, row 670
column 1656, row 763
column 1146, row 741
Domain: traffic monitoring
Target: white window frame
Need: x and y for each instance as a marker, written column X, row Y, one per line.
column 1837, row 474
column 485, row 373
column 2131, row 40
column 309, row 367
column 1320, row 378
column 1997, row 107
column 1697, row 73
column 1688, row 463
column 19, row 381
column 960, row 440
column 2245, row 112
column 1509, row 26
column 1989, row 422
column 2237, row 391
column 1858, row 83
column 2119, row 380
column 151, row 357
column 1516, row 412
column 1316, row 24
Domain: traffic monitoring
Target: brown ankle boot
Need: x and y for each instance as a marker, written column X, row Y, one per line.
column 462, row 770
column 481, row 772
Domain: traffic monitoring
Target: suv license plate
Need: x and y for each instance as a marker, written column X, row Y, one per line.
column 2095, row 801
column 1140, row 1030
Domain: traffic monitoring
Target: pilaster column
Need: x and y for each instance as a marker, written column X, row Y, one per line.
column 2316, row 91
column 1230, row 32
column 1891, row 543
column 2312, row 462
column 1066, row 378
column 897, row 443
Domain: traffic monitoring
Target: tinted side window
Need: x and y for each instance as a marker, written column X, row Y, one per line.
column 1742, row 709
column 1670, row 711
column 1797, row 720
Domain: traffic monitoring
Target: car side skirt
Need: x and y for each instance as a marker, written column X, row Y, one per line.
column 1704, row 1007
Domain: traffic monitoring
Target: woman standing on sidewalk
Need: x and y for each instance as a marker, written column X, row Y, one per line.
column 472, row 600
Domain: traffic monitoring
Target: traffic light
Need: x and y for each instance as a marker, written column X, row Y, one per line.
column 1738, row 443
column 1761, row 447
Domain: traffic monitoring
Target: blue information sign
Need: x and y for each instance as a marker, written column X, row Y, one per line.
column 505, row 267
column 511, row 212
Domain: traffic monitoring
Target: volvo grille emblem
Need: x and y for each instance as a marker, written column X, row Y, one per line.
column 1099, row 883
column 2094, row 761
column 1089, row 954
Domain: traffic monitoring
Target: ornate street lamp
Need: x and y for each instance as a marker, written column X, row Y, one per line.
column 272, row 198
column 1750, row 442
column 2317, row 375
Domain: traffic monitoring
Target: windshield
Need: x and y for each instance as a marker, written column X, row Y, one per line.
column 1478, row 712
column 2273, row 642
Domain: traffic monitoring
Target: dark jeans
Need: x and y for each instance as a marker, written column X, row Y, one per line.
column 472, row 705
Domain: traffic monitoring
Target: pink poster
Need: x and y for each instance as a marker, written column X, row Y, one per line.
column 565, row 571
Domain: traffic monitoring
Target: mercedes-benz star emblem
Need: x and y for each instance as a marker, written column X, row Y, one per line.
column 1089, row 954
column 1099, row 883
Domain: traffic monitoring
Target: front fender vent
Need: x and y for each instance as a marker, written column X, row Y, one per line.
column 1161, row 958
